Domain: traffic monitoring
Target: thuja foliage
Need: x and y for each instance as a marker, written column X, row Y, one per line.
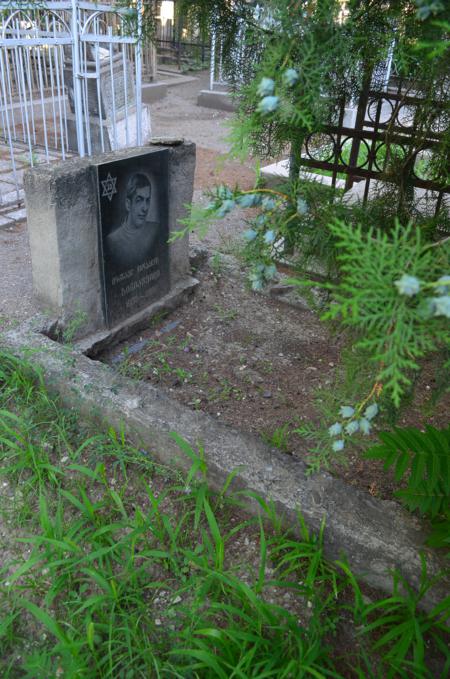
column 125, row 568
column 316, row 55
column 396, row 327
column 313, row 58
column 387, row 263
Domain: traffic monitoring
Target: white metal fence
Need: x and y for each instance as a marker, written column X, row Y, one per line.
column 219, row 76
column 70, row 83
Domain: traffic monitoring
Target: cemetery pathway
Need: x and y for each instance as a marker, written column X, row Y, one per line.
column 179, row 116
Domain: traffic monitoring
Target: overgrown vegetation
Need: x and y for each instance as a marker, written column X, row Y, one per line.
column 124, row 568
column 384, row 263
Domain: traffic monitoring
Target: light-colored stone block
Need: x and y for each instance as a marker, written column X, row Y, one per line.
column 276, row 173
column 62, row 212
column 120, row 134
column 221, row 101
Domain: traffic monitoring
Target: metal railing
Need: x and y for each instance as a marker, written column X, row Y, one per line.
column 382, row 145
column 178, row 42
column 70, row 83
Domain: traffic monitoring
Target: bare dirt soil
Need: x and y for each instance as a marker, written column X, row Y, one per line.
column 258, row 364
column 213, row 169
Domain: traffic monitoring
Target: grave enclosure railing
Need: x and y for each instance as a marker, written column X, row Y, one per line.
column 70, row 83
column 179, row 43
column 383, row 133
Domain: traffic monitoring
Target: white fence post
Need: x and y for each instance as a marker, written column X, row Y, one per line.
column 212, row 67
column 140, row 9
column 77, row 95
column 40, row 43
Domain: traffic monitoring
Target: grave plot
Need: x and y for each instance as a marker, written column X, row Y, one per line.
column 247, row 361
column 260, row 365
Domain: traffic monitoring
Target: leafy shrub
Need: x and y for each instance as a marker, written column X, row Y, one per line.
column 397, row 327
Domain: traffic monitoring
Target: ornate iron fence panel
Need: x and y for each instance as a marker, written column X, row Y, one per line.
column 384, row 143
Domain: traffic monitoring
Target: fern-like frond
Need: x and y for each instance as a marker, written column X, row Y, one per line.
column 424, row 458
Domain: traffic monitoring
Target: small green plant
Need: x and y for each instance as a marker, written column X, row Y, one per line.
column 157, row 318
column 216, row 264
column 129, row 368
column 73, row 326
column 279, row 437
column 266, row 367
column 404, row 630
column 225, row 315
column 182, row 374
column 225, row 392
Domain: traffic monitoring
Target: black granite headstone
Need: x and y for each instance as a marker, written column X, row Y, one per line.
column 134, row 208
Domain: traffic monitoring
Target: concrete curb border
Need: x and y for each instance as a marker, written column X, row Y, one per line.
column 376, row 536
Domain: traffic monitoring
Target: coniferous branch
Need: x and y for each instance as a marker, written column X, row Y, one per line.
column 396, row 329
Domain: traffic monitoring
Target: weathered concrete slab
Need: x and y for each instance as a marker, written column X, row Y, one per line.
column 222, row 101
column 377, row 536
column 276, row 173
column 94, row 344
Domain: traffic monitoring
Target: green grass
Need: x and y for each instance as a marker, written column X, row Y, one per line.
column 279, row 437
column 115, row 566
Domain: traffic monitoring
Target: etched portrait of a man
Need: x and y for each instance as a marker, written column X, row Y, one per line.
column 133, row 232
column 133, row 240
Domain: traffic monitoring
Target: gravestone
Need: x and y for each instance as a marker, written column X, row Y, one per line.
column 110, row 99
column 115, row 82
column 133, row 231
column 99, row 229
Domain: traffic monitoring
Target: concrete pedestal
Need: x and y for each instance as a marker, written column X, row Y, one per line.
column 216, row 99
column 62, row 202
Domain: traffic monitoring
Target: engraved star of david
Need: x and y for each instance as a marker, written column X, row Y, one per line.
column 109, row 187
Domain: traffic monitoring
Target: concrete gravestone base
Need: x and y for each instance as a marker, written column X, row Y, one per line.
column 79, row 208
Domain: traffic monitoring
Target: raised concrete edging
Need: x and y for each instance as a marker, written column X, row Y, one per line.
column 376, row 536
column 216, row 99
